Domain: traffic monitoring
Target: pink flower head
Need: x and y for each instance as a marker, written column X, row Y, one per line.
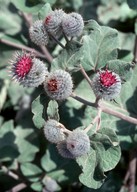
column 106, row 84
column 27, row 70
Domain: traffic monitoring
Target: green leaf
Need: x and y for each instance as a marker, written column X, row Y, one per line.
column 8, row 148
column 50, row 1
column 29, row 6
column 25, row 154
column 9, row 23
column 132, row 4
column 77, row 4
column 99, row 47
column 59, row 168
column 38, row 109
column 88, row 164
column 69, row 59
column 46, row 162
column 108, row 12
column 107, row 145
column 52, row 110
column 43, row 12
column 36, row 186
column 31, row 171
column 103, row 156
column 15, row 88
column 124, row 69
column 125, row 55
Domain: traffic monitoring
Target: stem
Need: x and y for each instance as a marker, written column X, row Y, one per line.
column 66, row 38
column 57, row 41
column 132, row 169
column 135, row 51
column 74, row 96
column 106, row 109
column 46, row 53
column 118, row 114
column 85, row 75
column 96, row 119
column 122, row 189
column 9, row 173
column 28, row 19
column 23, row 47
column 18, row 187
column 64, row 129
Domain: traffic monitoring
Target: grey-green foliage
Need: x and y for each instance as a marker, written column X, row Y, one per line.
column 104, row 156
column 98, row 47
column 117, row 11
column 39, row 110
column 14, row 145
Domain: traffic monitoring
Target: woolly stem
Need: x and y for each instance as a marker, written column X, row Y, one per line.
column 66, row 38
column 106, row 109
column 97, row 120
column 132, row 170
column 22, row 47
column 18, row 188
column 85, row 75
column 57, row 41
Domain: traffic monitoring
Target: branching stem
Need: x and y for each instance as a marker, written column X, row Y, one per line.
column 57, row 41
column 97, row 120
column 85, row 75
column 105, row 109
column 23, row 47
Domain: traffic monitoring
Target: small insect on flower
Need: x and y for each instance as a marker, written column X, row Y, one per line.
column 53, row 21
column 58, row 85
column 73, row 24
column 27, row 70
column 106, row 84
column 38, row 33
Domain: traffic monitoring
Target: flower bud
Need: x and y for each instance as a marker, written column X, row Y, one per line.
column 53, row 21
column 53, row 131
column 28, row 71
column 73, row 24
column 78, row 143
column 58, row 85
column 106, row 84
column 38, row 33
column 63, row 151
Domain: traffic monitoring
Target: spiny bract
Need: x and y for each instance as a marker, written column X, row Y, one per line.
column 78, row 143
column 53, row 22
column 53, row 131
column 106, row 84
column 58, row 85
column 27, row 70
column 73, row 24
column 38, row 33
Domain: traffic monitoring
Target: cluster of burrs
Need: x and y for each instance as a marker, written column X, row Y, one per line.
column 55, row 24
column 70, row 144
